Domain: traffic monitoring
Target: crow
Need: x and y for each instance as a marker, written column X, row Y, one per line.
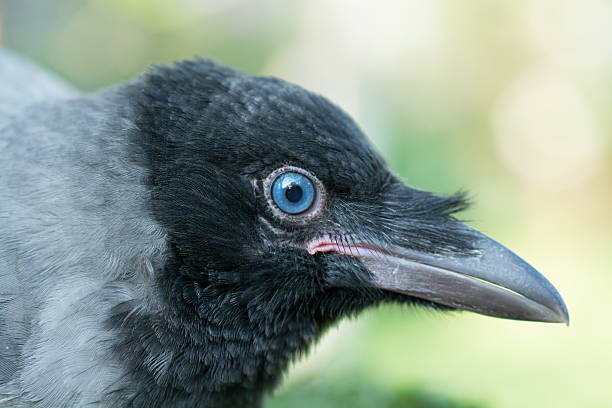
column 179, row 239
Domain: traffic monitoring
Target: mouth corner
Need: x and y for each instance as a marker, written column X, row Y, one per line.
column 327, row 243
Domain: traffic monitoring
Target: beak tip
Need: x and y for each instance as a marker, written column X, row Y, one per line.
column 557, row 310
column 564, row 315
column 558, row 307
column 552, row 307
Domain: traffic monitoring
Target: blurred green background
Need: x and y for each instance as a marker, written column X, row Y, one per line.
column 511, row 100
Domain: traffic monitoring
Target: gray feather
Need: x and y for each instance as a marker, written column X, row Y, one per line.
column 23, row 84
column 68, row 252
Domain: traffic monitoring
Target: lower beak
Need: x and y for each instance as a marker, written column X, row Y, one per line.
column 492, row 280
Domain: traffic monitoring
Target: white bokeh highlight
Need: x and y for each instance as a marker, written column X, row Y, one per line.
column 546, row 132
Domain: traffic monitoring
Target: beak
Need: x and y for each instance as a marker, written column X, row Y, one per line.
column 491, row 280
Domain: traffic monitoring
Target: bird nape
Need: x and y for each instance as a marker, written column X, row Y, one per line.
column 177, row 240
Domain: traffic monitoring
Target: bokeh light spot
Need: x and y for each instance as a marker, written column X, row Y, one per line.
column 546, row 131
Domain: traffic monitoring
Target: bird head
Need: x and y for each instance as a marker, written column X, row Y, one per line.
column 282, row 218
column 272, row 195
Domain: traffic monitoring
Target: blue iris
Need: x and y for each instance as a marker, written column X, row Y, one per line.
column 292, row 192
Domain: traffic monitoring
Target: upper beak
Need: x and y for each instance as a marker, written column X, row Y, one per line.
column 492, row 280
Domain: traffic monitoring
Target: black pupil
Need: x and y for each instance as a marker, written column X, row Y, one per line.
column 294, row 193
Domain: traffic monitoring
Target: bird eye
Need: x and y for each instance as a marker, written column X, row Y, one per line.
column 292, row 192
column 295, row 192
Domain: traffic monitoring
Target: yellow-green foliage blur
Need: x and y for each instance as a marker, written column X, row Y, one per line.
column 511, row 100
